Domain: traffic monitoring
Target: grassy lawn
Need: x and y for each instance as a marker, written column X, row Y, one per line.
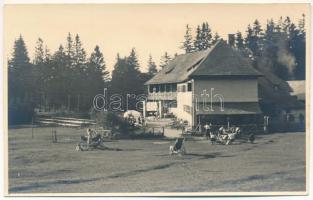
column 275, row 162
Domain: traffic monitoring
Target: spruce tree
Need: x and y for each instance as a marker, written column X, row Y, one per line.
column 188, row 44
column 198, row 41
column 79, row 53
column 270, row 30
column 257, row 29
column 41, row 71
column 298, row 44
column 206, row 36
column 97, row 61
column 165, row 59
column 239, row 41
column 20, row 73
column 251, row 40
column 152, row 68
column 57, row 85
column 39, row 52
column 132, row 60
column 69, row 50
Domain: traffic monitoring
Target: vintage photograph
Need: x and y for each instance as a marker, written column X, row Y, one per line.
column 156, row 99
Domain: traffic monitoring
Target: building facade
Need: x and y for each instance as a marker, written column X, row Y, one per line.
column 215, row 86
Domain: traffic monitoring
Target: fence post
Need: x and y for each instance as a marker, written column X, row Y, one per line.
column 163, row 131
column 54, row 136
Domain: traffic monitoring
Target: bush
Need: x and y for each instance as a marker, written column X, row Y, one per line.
column 110, row 120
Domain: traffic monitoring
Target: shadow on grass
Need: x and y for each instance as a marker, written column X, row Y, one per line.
column 135, row 172
column 32, row 186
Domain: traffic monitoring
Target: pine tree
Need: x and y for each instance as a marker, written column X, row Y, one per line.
column 41, row 70
column 239, row 41
column 165, row 59
column 297, row 44
column 203, row 37
column 206, row 36
column 301, row 24
column 96, row 79
column 280, row 24
column 132, row 61
column 257, row 29
column 97, row 61
column 198, row 42
column 286, row 25
column 79, row 53
column 251, row 39
column 20, row 73
column 39, row 52
column 20, row 85
column 152, row 68
column 270, row 30
column 69, row 49
column 188, row 44
column 57, row 83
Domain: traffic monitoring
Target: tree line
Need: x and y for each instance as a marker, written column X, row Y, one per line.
column 279, row 47
column 68, row 79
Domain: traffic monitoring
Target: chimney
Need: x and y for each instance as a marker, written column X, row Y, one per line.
column 231, row 40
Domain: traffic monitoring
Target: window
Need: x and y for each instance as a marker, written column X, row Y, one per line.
column 174, row 87
column 150, row 88
column 189, row 87
column 172, row 104
column 169, row 70
column 162, row 88
column 194, row 65
column 187, row 108
column 168, row 87
column 157, row 88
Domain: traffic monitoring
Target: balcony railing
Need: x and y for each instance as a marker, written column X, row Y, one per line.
column 162, row 96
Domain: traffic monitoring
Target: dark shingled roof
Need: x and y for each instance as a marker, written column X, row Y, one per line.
column 177, row 69
column 267, row 84
column 219, row 60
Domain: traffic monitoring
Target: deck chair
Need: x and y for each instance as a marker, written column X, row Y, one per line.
column 178, row 147
column 96, row 143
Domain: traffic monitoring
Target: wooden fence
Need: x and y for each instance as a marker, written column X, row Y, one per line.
column 62, row 121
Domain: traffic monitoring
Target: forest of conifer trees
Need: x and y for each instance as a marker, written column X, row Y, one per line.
column 68, row 79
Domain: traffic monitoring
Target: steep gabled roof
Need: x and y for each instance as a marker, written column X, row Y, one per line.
column 219, row 60
column 223, row 60
column 177, row 69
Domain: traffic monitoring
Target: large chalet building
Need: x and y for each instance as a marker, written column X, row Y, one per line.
column 216, row 85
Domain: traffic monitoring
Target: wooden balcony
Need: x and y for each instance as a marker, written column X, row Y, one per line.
column 162, row 96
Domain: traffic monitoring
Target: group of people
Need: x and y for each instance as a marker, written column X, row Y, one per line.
column 91, row 134
column 133, row 121
column 223, row 133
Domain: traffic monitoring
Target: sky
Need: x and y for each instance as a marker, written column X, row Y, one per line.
column 117, row 28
